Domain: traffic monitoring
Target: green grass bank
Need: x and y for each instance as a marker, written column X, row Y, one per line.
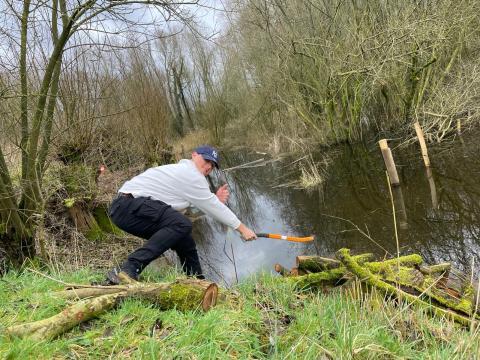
column 267, row 320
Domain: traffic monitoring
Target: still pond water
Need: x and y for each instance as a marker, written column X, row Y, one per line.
column 437, row 213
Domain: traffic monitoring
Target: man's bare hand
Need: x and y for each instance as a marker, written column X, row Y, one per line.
column 223, row 193
column 246, row 233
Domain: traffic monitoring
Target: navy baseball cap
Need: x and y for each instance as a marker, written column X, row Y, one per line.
column 209, row 153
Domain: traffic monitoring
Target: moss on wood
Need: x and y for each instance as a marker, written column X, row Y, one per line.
column 183, row 295
column 316, row 280
column 436, row 269
column 100, row 213
column 318, row 263
column 51, row 327
column 386, row 265
column 364, row 274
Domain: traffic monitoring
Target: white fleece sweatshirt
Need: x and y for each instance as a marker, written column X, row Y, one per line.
column 180, row 185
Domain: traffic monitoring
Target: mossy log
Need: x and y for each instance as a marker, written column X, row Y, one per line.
column 466, row 301
column 400, row 275
column 365, row 275
column 313, row 264
column 335, row 273
column 462, row 303
column 184, row 295
column 429, row 286
column 51, row 327
column 413, row 260
column 442, row 270
column 436, row 269
column 333, row 277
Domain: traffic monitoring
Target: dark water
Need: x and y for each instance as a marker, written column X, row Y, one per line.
column 439, row 216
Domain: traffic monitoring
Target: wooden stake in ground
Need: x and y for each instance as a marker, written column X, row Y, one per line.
column 389, row 163
column 423, row 145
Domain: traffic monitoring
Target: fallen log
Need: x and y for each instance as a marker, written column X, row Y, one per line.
column 442, row 270
column 74, row 294
column 184, row 295
column 386, row 266
column 312, row 264
column 51, row 327
column 401, row 275
column 436, row 269
column 333, row 277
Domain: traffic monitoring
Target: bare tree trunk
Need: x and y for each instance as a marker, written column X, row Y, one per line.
column 24, row 87
column 179, row 124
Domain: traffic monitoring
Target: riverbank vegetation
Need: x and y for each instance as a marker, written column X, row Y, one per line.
column 345, row 71
column 269, row 319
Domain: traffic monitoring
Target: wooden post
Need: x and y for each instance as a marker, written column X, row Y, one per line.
column 423, row 145
column 389, row 163
column 433, row 189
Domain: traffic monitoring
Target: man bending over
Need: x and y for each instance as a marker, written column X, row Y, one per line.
column 150, row 206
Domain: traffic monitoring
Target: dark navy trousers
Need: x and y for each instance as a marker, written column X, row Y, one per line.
column 162, row 226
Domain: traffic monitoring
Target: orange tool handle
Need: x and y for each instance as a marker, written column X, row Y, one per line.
column 287, row 238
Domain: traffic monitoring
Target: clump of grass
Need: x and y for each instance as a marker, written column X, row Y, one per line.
column 266, row 319
column 313, row 174
column 310, row 177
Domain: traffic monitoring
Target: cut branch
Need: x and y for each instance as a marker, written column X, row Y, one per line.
column 318, row 263
column 50, row 328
